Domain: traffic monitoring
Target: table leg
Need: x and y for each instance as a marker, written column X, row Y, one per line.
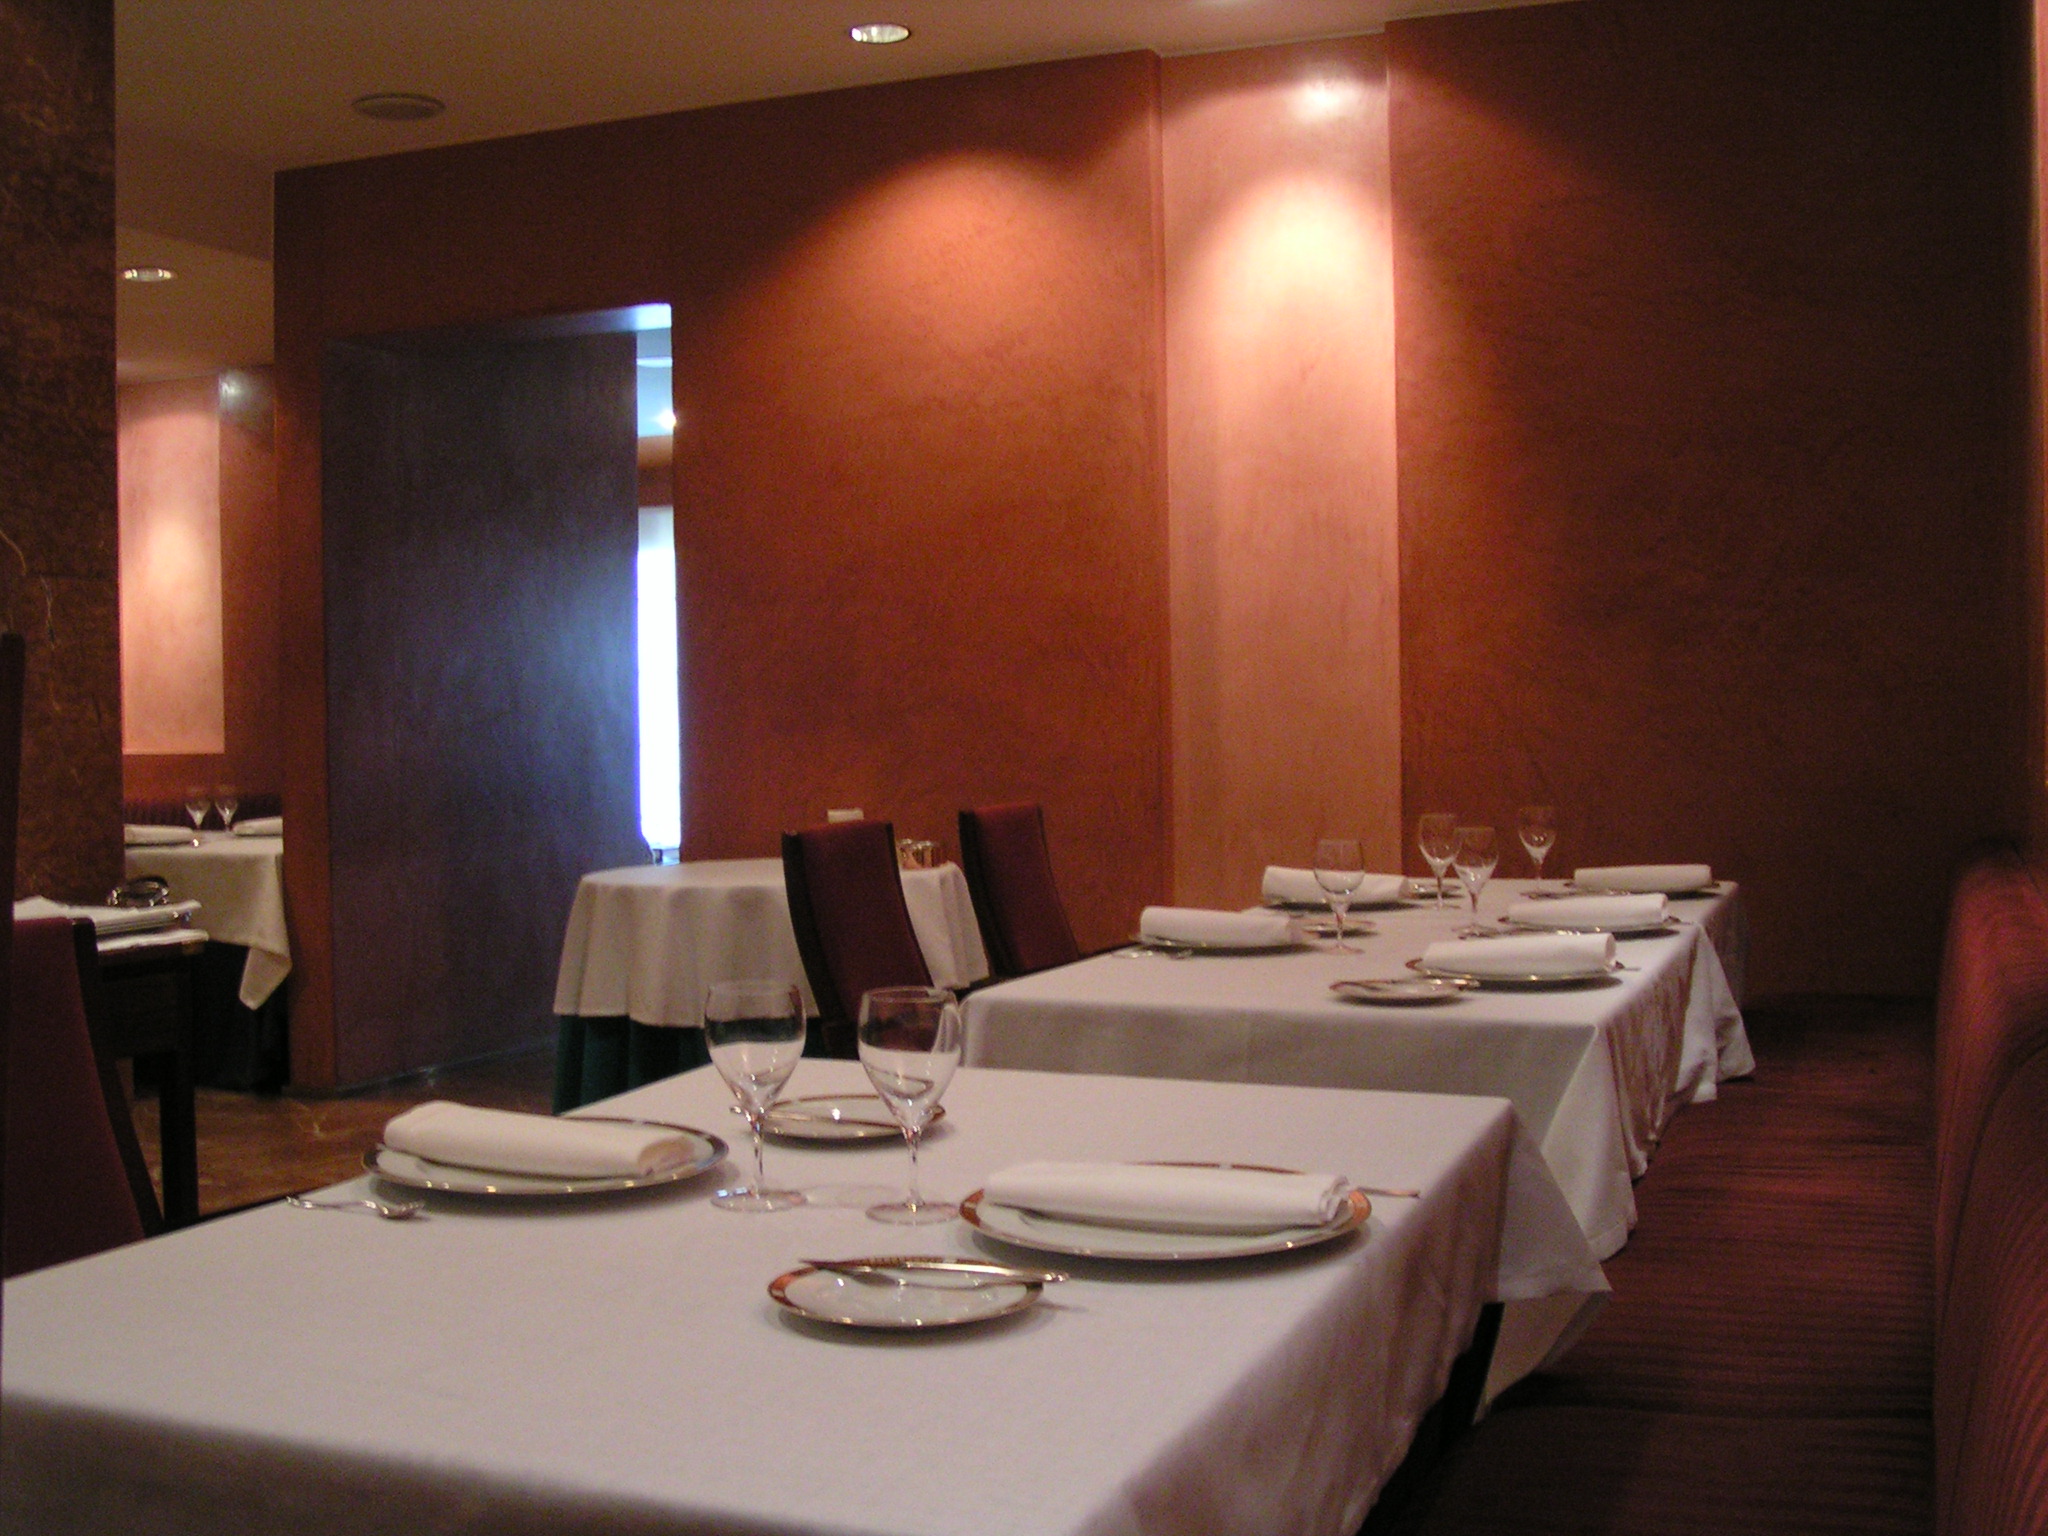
column 178, row 1128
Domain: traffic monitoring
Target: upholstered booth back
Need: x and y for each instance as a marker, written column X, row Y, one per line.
column 852, row 924
column 1009, row 869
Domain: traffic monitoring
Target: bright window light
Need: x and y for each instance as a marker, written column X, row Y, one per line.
column 661, row 723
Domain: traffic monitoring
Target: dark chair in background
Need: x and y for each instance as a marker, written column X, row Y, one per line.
column 141, row 1006
column 852, row 925
column 1009, row 871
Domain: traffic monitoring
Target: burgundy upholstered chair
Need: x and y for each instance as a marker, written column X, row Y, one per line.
column 852, row 926
column 1009, row 871
column 68, row 1193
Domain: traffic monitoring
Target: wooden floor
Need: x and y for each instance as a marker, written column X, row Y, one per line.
column 1766, row 1364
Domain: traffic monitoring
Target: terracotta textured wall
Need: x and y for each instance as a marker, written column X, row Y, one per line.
column 57, row 506
column 1711, row 326
column 1280, row 461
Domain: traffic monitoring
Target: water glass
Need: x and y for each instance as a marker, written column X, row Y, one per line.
column 910, row 1040
column 1339, row 868
column 1436, row 834
column 196, row 806
column 227, row 800
column 1475, row 858
column 1536, row 825
column 754, row 1031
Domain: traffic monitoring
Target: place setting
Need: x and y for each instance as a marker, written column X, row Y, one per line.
column 1184, row 933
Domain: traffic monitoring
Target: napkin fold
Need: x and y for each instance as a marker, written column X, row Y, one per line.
column 1550, row 954
column 137, row 836
column 109, row 921
column 1174, row 1199
column 1612, row 912
column 1298, row 888
column 1229, row 930
column 508, row 1142
column 260, row 826
column 1644, row 877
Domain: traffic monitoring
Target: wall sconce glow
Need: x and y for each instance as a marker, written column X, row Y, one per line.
column 147, row 274
column 661, row 710
column 879, row 32
column 1321, row 100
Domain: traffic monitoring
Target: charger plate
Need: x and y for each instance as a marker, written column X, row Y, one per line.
column 1657, row 930
column 1523, row 983
column 836, row 1117
column 1099, row 1240
column 930, row 1301
column 1403, row 991
column 412, row 1171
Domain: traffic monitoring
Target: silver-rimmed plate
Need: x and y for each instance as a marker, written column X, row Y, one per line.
column 1522, row 983
column 1697, row 893
column 927, row 1297
column 1099, row 1240
column 836, row 1117
column 1656, row 930
column 1403, row 991
column 1355, row 927
column 1178, row 947
column 411, row 1171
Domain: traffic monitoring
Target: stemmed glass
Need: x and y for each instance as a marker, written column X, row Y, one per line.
column 226, row 800
column 1436, row 833
column 1536, row 825
column 1475, row 859
column 196, row 806
column 755, row 1033
column 910, row 1040
column 1339, row 868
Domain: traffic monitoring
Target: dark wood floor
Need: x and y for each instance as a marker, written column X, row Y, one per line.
column 1766, row 1364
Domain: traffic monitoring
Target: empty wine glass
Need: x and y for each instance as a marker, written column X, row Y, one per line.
column 755, row 1033
column 1339, row 867
column 1536, row 825
column 1436, row 834
column 196, row 806
column 910, row 1040
column 1475, row 858
column 226, row 800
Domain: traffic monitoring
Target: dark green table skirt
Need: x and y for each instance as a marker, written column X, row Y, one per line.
column 596, row 1058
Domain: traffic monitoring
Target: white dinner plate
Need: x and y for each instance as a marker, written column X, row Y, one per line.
column 1100, row 1240
column 1179, row 947
column 1402, row 991
column 1658, row 929
column 1526, row 983
column 415, row 1172
column 836, row 1117
column 1712, row 888
column 933, row 1299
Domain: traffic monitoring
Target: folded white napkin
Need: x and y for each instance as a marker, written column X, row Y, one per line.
column 1550, row 954
column 508, row 1142
column 1644, row 877
column 1298, row 888
column 151, row 837
column 1228, row 930
column 109, row 920
column 1591, row 912
column 260, row 826
column 1176, row 1199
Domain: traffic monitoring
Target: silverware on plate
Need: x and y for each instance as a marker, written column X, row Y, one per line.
column 390, row 1210
column 903, row 1271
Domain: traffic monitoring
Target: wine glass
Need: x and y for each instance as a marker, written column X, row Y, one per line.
column 1436, row 833
column 1536, row 825
column 910, row 1040
column 196, row 806
column 755, row 1033
column 1475, row 858
column 1339, row 867
column 226, row 800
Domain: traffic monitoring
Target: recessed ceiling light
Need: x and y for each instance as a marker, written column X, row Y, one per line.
column 147, row 274
column 879, row 32
column 399, row 106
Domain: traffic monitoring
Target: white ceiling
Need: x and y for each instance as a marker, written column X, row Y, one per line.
column 212, row 95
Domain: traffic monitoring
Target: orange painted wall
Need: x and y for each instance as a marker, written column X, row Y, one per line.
column 1280, row 461
column 1710, row 351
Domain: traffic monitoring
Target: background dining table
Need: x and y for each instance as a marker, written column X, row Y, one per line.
column 617, row 1364
column 239, row 884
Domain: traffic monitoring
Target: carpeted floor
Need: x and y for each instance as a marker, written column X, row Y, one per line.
column 1766, row 1364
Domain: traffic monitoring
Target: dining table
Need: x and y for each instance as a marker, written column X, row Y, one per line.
column 1594, row 1070
column 616, row 1362
column 643, row 944
column 238, row 882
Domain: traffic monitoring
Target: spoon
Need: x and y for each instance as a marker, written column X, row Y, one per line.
column 390, row 1210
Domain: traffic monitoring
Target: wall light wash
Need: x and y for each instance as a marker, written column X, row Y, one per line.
column 661, row 722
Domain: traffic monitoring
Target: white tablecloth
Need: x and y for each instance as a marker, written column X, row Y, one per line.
column 646, row 941
column 1594, row 1074
column 617, row 1366
column 239, row 885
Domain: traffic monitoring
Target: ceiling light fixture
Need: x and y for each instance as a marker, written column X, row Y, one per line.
column 399, row 106
column 147, row 274
column 879, row 32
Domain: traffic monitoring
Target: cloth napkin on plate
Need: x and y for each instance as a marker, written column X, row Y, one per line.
column 1227, row 930
column 1298, row 888
column 1552, row 954
column 1614, row 912
column 109, row 921
column 152, row 837
column 508, row 1142
column 1644, row 877
column 1174, row 1199
column 260, row 826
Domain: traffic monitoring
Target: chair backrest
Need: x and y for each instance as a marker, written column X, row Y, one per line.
column 852, row 925
column 1009, row 871
column 67, row 1189
column 120, row 1113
